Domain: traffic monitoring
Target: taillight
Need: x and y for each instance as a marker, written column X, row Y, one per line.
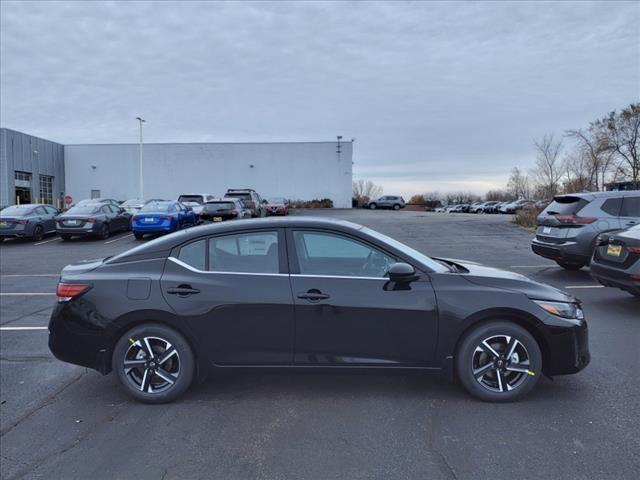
column 574, row 219
column 22, row 222
column 233, row 212
column 634, row 249
column 66, row 291
column 168, row 217
column 89, row 220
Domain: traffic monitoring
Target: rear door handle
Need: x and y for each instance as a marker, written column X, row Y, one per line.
column 313, row 296
column 183, row 290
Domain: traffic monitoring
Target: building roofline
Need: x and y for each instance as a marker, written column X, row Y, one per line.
column 31, row 135
column 332, row 142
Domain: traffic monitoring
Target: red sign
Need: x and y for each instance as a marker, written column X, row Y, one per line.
column 68, row 199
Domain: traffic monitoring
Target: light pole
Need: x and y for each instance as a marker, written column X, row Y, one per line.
column 141, row 120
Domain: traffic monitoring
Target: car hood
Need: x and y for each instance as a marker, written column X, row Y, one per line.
column 494, row 277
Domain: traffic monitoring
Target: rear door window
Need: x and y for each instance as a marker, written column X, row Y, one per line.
column 630, row 207
column 255, row 252
column 612, row 206
column 194, row 254
column 565, row 206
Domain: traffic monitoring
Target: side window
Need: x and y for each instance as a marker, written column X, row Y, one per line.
column 630, row 207
column 255, row 252
column 330, row 254
column 40, row 211
column 612, row 206
column 105, row 209
column 194, row 254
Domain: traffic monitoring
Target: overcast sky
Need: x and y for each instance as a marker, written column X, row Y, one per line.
column 440, row 96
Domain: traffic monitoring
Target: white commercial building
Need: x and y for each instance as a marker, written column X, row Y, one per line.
column 296, row 170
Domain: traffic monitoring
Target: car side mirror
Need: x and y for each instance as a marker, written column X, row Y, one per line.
column 402, row 273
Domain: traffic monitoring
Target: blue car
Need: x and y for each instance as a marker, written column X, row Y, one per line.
column 161, row 217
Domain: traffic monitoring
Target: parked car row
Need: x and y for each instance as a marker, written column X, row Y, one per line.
column 492, row 206
column 100, row 217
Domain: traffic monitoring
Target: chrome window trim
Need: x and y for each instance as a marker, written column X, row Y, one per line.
column 193, row 269
column 298, row 275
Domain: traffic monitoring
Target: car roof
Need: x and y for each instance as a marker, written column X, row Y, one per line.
column 594, row 195
column 163, row 245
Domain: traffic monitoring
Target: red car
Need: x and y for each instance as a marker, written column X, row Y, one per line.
column 277, row 206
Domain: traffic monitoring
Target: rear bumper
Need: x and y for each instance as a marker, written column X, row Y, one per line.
column 76, row 231
column 141, row 228
column 613, row 277
column 567, row 252
column 568, row 350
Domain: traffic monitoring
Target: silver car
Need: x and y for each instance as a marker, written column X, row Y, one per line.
column 388, row 201
column 568, row 228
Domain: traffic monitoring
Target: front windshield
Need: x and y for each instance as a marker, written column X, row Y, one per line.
column 17, row 210
column 82, row 209
column 158, row 207
column 420, row 257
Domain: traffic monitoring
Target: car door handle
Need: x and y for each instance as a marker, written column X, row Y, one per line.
column 183, row 290
column 313, row 296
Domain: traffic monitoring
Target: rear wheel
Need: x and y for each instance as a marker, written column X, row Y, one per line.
column 154, row 363
column 396, row 207
column 373, row 206
column 498, row 362
column 570, row 266
column 104, row 233
column 138, row 235
column 38, row 233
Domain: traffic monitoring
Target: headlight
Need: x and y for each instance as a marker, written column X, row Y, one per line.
column 572, row 311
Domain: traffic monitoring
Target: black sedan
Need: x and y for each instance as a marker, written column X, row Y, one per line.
column 27, row 221
column 616, row 260
column 309, row 293
column 92, row 219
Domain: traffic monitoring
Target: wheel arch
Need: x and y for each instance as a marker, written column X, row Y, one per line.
column 134, row 319
column 521, row 318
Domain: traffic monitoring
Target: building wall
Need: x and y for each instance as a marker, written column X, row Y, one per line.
column 301, row 171
column 26, row 153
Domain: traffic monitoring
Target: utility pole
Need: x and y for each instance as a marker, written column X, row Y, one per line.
column 141, row 120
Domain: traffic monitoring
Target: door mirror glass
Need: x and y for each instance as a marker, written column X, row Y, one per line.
column 402, row 273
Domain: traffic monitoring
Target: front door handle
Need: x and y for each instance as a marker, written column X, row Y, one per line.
column 183, row 290
column 313, row 295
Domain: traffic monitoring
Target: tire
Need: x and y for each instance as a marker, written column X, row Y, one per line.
column 65, row 237
column 104, row 232
column 396, row 207
column 508, row 385
column 138, row 235
column 570, row 266
column 373, row 206
column 155, row 380
column 38, row 233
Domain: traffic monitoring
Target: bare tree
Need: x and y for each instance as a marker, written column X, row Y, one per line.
column 623, row 131
column 518, row 184
column 498, row 195
column 366, row 188
column 578, row 172
column 595, row 156
column 549, row 167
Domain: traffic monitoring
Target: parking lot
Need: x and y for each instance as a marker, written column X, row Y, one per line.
column 62, row 421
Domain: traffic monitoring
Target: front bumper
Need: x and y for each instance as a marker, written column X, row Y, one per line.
column 568, row 349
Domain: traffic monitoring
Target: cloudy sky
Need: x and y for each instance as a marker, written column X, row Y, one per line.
column 439, row 96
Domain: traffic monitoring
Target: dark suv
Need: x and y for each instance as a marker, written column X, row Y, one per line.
column 568, row 228
column 254, row 202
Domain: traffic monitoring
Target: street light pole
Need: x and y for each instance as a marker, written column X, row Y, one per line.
column 141, row 120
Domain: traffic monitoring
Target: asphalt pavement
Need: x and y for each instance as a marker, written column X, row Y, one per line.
column 59, row 421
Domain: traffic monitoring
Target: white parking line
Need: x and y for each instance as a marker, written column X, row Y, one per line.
column 30, row 275
column 533, row 266
column 25, row 294
column 48, row 241
column 584, row 286
column 119, row 238
column 9, row 329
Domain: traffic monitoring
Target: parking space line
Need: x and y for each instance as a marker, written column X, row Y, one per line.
column 119, row 238
column 533, row 266
column 17, row 329
column 584, row 286
column 25, row 294
column 13, row 275
column 48, row 241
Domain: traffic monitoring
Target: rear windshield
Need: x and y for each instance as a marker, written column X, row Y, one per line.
column 565, row 206
column 83, row 209
column 214, row 206
column 158, row 207
column 17, row 211
column 191, row 198
column 244, row 196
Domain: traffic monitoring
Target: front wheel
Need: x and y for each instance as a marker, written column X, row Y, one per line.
column 498, row 362
column 570, row 266
column 373, row 206
column 396, row 207
column 154, row 363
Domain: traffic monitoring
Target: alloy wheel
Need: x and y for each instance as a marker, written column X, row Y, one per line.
column 151, row 364
column 501, row 363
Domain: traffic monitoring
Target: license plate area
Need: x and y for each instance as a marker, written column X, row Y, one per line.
column 614, row 250
column 217, row 219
